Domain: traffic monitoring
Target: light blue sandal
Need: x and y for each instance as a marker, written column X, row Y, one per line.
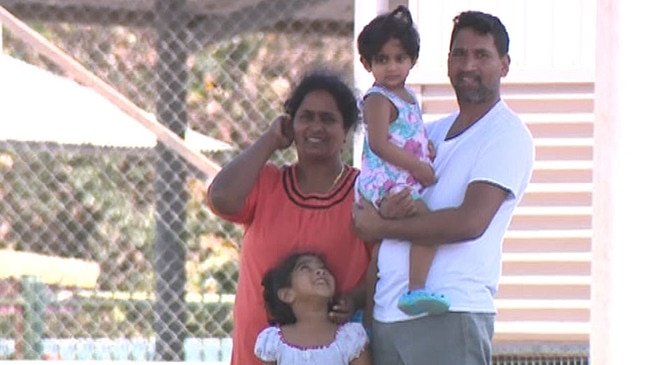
column 420, row 301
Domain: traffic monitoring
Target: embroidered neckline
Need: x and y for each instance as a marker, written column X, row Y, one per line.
column 305, row 348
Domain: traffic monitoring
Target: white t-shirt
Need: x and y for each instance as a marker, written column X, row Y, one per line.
column 497, row 149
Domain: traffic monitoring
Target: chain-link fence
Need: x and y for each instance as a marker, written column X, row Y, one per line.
column 109, row 250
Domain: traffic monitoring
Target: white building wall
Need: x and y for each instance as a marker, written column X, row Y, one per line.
column 550, row 40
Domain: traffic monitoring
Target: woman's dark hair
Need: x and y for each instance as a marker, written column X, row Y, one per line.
column 484, row 24
column 331, row 83
column 397, row 24
column 279, row 277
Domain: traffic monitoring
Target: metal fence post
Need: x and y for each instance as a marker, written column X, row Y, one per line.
column 33, row 291
column 171, row 179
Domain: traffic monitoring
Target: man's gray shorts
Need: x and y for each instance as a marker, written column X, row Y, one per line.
column 453, row 338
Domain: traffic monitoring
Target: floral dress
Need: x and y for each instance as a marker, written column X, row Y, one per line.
column 349, row 341
column 378, row 177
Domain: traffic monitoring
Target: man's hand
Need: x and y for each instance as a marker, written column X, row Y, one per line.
column 397, row 205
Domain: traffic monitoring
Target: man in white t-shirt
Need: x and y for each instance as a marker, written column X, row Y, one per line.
column 484, row 159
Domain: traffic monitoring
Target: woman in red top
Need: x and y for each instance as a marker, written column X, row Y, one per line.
column 305, row 206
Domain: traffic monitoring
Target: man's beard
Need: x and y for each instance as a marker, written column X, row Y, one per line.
column 472, row 94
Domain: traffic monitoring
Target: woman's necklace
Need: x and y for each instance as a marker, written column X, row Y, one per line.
column 338, row 177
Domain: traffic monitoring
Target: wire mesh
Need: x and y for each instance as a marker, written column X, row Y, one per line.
column 138, row 268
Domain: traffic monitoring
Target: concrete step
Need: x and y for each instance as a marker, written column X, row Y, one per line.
column 559, row 187
column 563, row 149
column 547, row 263
column 567, row 171
column 564, row 142
column 527, row 222
column 507, row 304
column 534, row 211
column 543, row 310
column 550, row 125
column 541, row 331
column 559, row 119
column 547, row 257
column 555, row 292
column 550, row 287
column 558, row 198
column 552, row 240
column 568, row 129
column 551, row 217
column 546, row 280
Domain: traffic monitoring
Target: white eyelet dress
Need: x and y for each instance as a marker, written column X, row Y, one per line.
column 349, row 342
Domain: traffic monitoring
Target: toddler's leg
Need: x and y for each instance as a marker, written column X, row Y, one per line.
column 420, row 259
column 418, row 299
column 420, row 256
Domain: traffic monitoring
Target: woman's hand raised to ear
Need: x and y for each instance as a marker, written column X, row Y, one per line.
column 235, row 181
column 282, row 130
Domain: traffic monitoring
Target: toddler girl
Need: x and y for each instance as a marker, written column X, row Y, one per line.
column 396, row 149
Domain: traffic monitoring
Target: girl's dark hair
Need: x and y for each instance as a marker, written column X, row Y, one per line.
column 397, row 24
column 279, row 277
column 328, row 81
column 484, row 24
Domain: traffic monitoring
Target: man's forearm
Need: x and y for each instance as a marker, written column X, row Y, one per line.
column 434, row 228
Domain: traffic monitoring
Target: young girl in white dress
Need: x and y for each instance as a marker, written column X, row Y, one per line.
column 298, row 296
